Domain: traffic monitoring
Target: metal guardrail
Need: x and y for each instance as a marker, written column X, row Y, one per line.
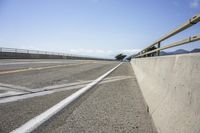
column 154, row 49
column 14, row 50
column 26, row 51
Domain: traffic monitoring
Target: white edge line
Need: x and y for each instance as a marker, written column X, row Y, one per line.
column 35, row 122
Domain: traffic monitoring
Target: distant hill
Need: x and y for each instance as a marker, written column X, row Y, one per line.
column 195, row 50
column 180, row 51
column 163, row 53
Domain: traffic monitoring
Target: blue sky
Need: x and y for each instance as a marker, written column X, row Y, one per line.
column 93, row 27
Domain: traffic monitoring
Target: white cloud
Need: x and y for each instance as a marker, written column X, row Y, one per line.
column 102, row 53
column 131, row 51
column 91, row 52
column 29, row 47
column 195, row 3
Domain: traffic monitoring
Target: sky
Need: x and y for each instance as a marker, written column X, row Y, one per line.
column 100, row 28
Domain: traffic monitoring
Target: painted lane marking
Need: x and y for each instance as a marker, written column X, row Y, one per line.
column 16, row 98
column 7, row 92
column 43, row 61
column 10, row 93
column 70, row 84
column 35, row 122
column 37, row 94
column 15, row 87
column 42, row 93
column 36, row 62
column 37, row 68
column 24, row 90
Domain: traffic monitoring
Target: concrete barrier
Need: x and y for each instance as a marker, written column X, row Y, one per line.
column 171, row 88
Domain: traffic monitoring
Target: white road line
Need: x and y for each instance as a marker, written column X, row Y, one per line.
column 31, row 95
column 35, row 122
column 25, row 63
column 10, row 93
column 13, row 62
column 52, row 87
column 14, row 98
column 6, row 91
column 15, row 87
column 38, row 68
column 59, row 86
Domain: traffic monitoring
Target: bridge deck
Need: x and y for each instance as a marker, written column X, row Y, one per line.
column 114, row 105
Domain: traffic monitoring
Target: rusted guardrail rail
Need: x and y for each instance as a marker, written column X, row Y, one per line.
column 155, row 48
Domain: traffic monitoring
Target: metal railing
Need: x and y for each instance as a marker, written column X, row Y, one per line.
column 155, row 48
column 15, row 50
column 26, row 51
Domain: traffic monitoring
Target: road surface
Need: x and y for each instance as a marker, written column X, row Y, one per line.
column 30, row 87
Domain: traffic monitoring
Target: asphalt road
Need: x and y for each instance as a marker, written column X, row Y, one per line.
column 59, row 72
column 114, row 105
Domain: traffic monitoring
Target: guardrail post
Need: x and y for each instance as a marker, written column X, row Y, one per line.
column 158, row 53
